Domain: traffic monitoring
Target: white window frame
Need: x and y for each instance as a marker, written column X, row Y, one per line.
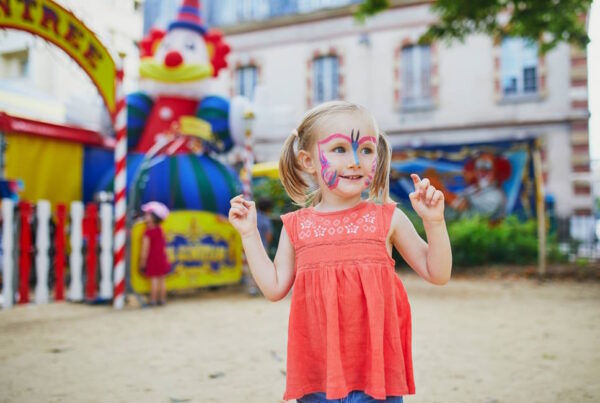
column 246, row 78
column 416, row 77
column 326, row 78
column 517, row 58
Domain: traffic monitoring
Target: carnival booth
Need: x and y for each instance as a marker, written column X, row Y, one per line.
column 176, row 132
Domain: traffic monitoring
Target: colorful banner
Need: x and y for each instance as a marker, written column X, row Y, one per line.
column 489, row 179
column 52, row 22
column 48, row 169
column 203, row 249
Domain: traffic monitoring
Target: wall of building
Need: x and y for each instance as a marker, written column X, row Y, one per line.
column 468, row 104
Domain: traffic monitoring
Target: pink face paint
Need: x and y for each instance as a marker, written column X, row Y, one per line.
column 330, row 175
column 372, row 174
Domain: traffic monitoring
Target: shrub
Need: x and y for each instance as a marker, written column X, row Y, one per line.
column 476, row 242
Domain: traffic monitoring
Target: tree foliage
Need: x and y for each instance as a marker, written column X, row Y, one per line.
column 547, row 22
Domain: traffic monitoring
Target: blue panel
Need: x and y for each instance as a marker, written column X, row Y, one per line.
column 187, row 183
column 219, row 184
column 98, row 164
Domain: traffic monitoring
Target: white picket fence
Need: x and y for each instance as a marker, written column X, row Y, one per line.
column 43, row 241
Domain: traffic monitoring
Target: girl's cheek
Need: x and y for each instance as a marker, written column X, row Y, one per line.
column 371, row 173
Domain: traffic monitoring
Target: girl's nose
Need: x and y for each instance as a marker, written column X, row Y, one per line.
column 354, row 164
column 355, row 161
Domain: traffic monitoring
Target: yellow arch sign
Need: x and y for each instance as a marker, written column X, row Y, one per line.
column 52, row 22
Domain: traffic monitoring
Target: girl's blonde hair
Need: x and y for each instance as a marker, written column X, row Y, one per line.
column 297, row 184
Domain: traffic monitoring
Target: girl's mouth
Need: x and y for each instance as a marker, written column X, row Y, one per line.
column 351, row 177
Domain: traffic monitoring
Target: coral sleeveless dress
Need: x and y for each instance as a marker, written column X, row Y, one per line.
column 350, row 323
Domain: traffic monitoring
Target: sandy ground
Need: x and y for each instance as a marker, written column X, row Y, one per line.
column 475, row 340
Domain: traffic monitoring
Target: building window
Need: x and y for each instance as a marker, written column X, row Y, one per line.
column 14, row 65
column 231, row 12
column 325, row 79
column 416, row 76
column 519, row 67
column 245, row 81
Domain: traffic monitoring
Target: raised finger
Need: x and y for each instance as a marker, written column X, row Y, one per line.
column 422, row 187
column 237, row 197
column 248, row 203
column 429, row 194
column 238, row 211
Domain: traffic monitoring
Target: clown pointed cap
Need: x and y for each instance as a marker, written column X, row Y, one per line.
column 189, row 17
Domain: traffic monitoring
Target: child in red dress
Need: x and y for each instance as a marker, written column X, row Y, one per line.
column 153, row 258
column 349, row 334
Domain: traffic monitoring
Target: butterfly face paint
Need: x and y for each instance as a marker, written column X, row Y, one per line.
column 336, row 144
column 372, row 174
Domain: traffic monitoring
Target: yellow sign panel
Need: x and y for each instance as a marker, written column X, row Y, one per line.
column 52, row 22
column 203, row 249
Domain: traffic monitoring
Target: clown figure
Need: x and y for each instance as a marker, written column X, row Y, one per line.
column 176, row 69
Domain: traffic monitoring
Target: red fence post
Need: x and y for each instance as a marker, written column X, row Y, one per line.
column 59, row 255
column 25, row 210
column 90, row 228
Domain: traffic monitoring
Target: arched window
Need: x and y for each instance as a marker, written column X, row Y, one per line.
column 325, row 74
column 519, row 67
column 416, row 76
column 245, row 80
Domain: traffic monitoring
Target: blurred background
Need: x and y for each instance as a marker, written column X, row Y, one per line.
column 496, row 102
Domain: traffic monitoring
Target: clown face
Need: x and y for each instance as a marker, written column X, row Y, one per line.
column 180, row 65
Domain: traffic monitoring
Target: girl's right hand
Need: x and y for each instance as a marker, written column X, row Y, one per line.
column 242, row 215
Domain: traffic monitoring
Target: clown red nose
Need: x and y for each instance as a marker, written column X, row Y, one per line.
column 173, row 59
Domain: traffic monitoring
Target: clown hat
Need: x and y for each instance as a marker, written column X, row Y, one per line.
column 156, row 208
column 189, row 17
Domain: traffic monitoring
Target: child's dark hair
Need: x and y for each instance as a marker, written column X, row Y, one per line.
column 295, row 181
column 157, row 220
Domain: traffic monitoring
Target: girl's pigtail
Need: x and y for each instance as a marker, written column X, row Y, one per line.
column 380, row 188
column 290, row 172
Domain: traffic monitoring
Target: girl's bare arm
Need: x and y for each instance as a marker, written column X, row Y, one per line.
column 273, row 278
column 432, row 260
column 144, row 252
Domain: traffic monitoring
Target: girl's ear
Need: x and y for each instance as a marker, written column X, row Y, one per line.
column 306, row 162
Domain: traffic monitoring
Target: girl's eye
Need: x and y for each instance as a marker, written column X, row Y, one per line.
column 339, row 150
column 367, row 150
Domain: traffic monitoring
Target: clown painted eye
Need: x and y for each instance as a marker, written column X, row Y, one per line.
column 190, row 45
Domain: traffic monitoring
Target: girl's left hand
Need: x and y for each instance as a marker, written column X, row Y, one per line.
column 426, row 200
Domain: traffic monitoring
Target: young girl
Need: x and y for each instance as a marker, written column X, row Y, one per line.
column 153, row 258
column 349, row 332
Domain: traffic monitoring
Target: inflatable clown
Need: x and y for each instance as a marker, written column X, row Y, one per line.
column 176, row 72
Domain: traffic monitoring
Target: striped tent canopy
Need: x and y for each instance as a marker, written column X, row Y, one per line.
column 182, row 182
